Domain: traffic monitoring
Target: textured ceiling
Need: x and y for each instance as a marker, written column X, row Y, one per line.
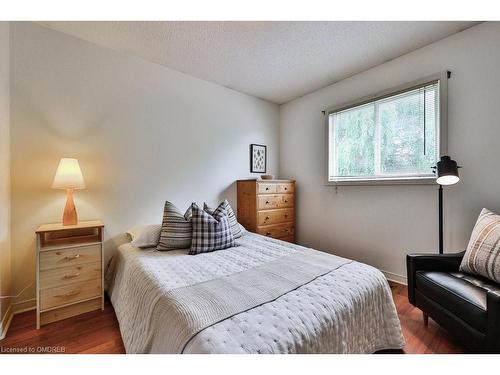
column 276, row 61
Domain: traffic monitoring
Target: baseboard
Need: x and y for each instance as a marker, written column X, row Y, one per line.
column 5, row 323
column 395, row 277
column 23, row 306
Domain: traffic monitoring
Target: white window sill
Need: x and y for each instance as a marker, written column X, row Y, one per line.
column 383, row 181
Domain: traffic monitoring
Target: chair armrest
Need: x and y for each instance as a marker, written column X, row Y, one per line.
column 429, row 262
column 493, row 330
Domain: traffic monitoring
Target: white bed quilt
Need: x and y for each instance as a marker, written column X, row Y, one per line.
column 349, row 310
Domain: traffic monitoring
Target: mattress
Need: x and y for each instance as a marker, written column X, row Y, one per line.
column 348, row 310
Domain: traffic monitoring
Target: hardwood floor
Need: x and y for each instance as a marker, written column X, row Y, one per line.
column 98, row 332
column 419, row 338
column 93, row 332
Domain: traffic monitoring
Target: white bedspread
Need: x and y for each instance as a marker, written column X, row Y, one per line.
column 349, row 310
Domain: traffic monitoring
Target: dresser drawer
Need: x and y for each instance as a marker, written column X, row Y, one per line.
column 277, row 231
column 62, row 276
column 285, row 187
column 268, row 202
column 274, row 216
column 266, row 188
column 72, row 256
column 285, row 201
column 74, row 292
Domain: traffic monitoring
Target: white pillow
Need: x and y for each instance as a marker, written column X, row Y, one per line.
column 145, row 235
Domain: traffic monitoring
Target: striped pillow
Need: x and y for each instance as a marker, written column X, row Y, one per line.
column 176, row 229
column 210, row 232
column 235, row 226
column 483, row 252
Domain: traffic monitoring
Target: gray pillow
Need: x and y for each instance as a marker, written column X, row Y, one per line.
column 176, row 229
column 235, row 226
column 483, row 252
column 211, row 232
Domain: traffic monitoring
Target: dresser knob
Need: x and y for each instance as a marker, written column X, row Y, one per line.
column 267, row 188
column 286, row 216
column 267, row 202
column 267, row 218
column 286, row 188
column 268, row 233
column 286, row 230
column 286, row 201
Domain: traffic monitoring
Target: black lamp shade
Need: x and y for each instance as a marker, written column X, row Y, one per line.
column 447, row 171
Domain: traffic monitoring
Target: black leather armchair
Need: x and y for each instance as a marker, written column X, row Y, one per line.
column 468, row 306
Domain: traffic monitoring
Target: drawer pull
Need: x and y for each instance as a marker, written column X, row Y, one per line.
column 71, row 257
column 268, row 233
column 71, row 276
column 286, row 188
column 285, row 230
column 267, row 218
column 286, row 215
column 286, row 201
column 267, row 202
column 267, row 188
column 69, row 294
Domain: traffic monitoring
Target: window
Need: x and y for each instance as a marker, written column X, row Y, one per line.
column 394, row 137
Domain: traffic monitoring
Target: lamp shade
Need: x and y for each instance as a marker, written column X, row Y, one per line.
column 447, row 171
column 68, row 175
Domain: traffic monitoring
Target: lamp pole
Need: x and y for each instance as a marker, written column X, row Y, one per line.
column 440, row 219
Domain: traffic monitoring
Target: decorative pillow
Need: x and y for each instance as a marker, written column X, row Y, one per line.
column 483, row 252
column 176, row 229
column 235, row 227
column 210, row 232
column 143, row 236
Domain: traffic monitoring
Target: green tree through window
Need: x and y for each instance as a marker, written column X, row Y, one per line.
column 388, row 138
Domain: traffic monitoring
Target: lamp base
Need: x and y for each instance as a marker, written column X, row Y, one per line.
column 69, row 215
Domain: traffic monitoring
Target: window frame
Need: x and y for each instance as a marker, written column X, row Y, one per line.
column 442, row 131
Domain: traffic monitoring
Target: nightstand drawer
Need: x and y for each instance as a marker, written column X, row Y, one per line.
column 75, row 292
column 71, row 256
column 70, row 274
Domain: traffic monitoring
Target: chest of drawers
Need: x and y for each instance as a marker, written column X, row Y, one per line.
column 69, row 270
column 268, row 207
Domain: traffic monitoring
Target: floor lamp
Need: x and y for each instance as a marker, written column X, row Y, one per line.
column 446, row 174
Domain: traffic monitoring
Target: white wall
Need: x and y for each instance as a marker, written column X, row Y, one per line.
column 4, row 176
column 380, row 225
column 143, row 133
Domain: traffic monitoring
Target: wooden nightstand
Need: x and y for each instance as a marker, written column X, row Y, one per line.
column 69, row 270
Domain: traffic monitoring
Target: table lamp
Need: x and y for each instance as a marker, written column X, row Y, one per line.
column 446, row 174
column 69, row 176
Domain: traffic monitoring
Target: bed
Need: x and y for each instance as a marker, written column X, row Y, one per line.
column 334, row 306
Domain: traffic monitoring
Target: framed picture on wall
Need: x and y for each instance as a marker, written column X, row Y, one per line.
column 258, row 158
